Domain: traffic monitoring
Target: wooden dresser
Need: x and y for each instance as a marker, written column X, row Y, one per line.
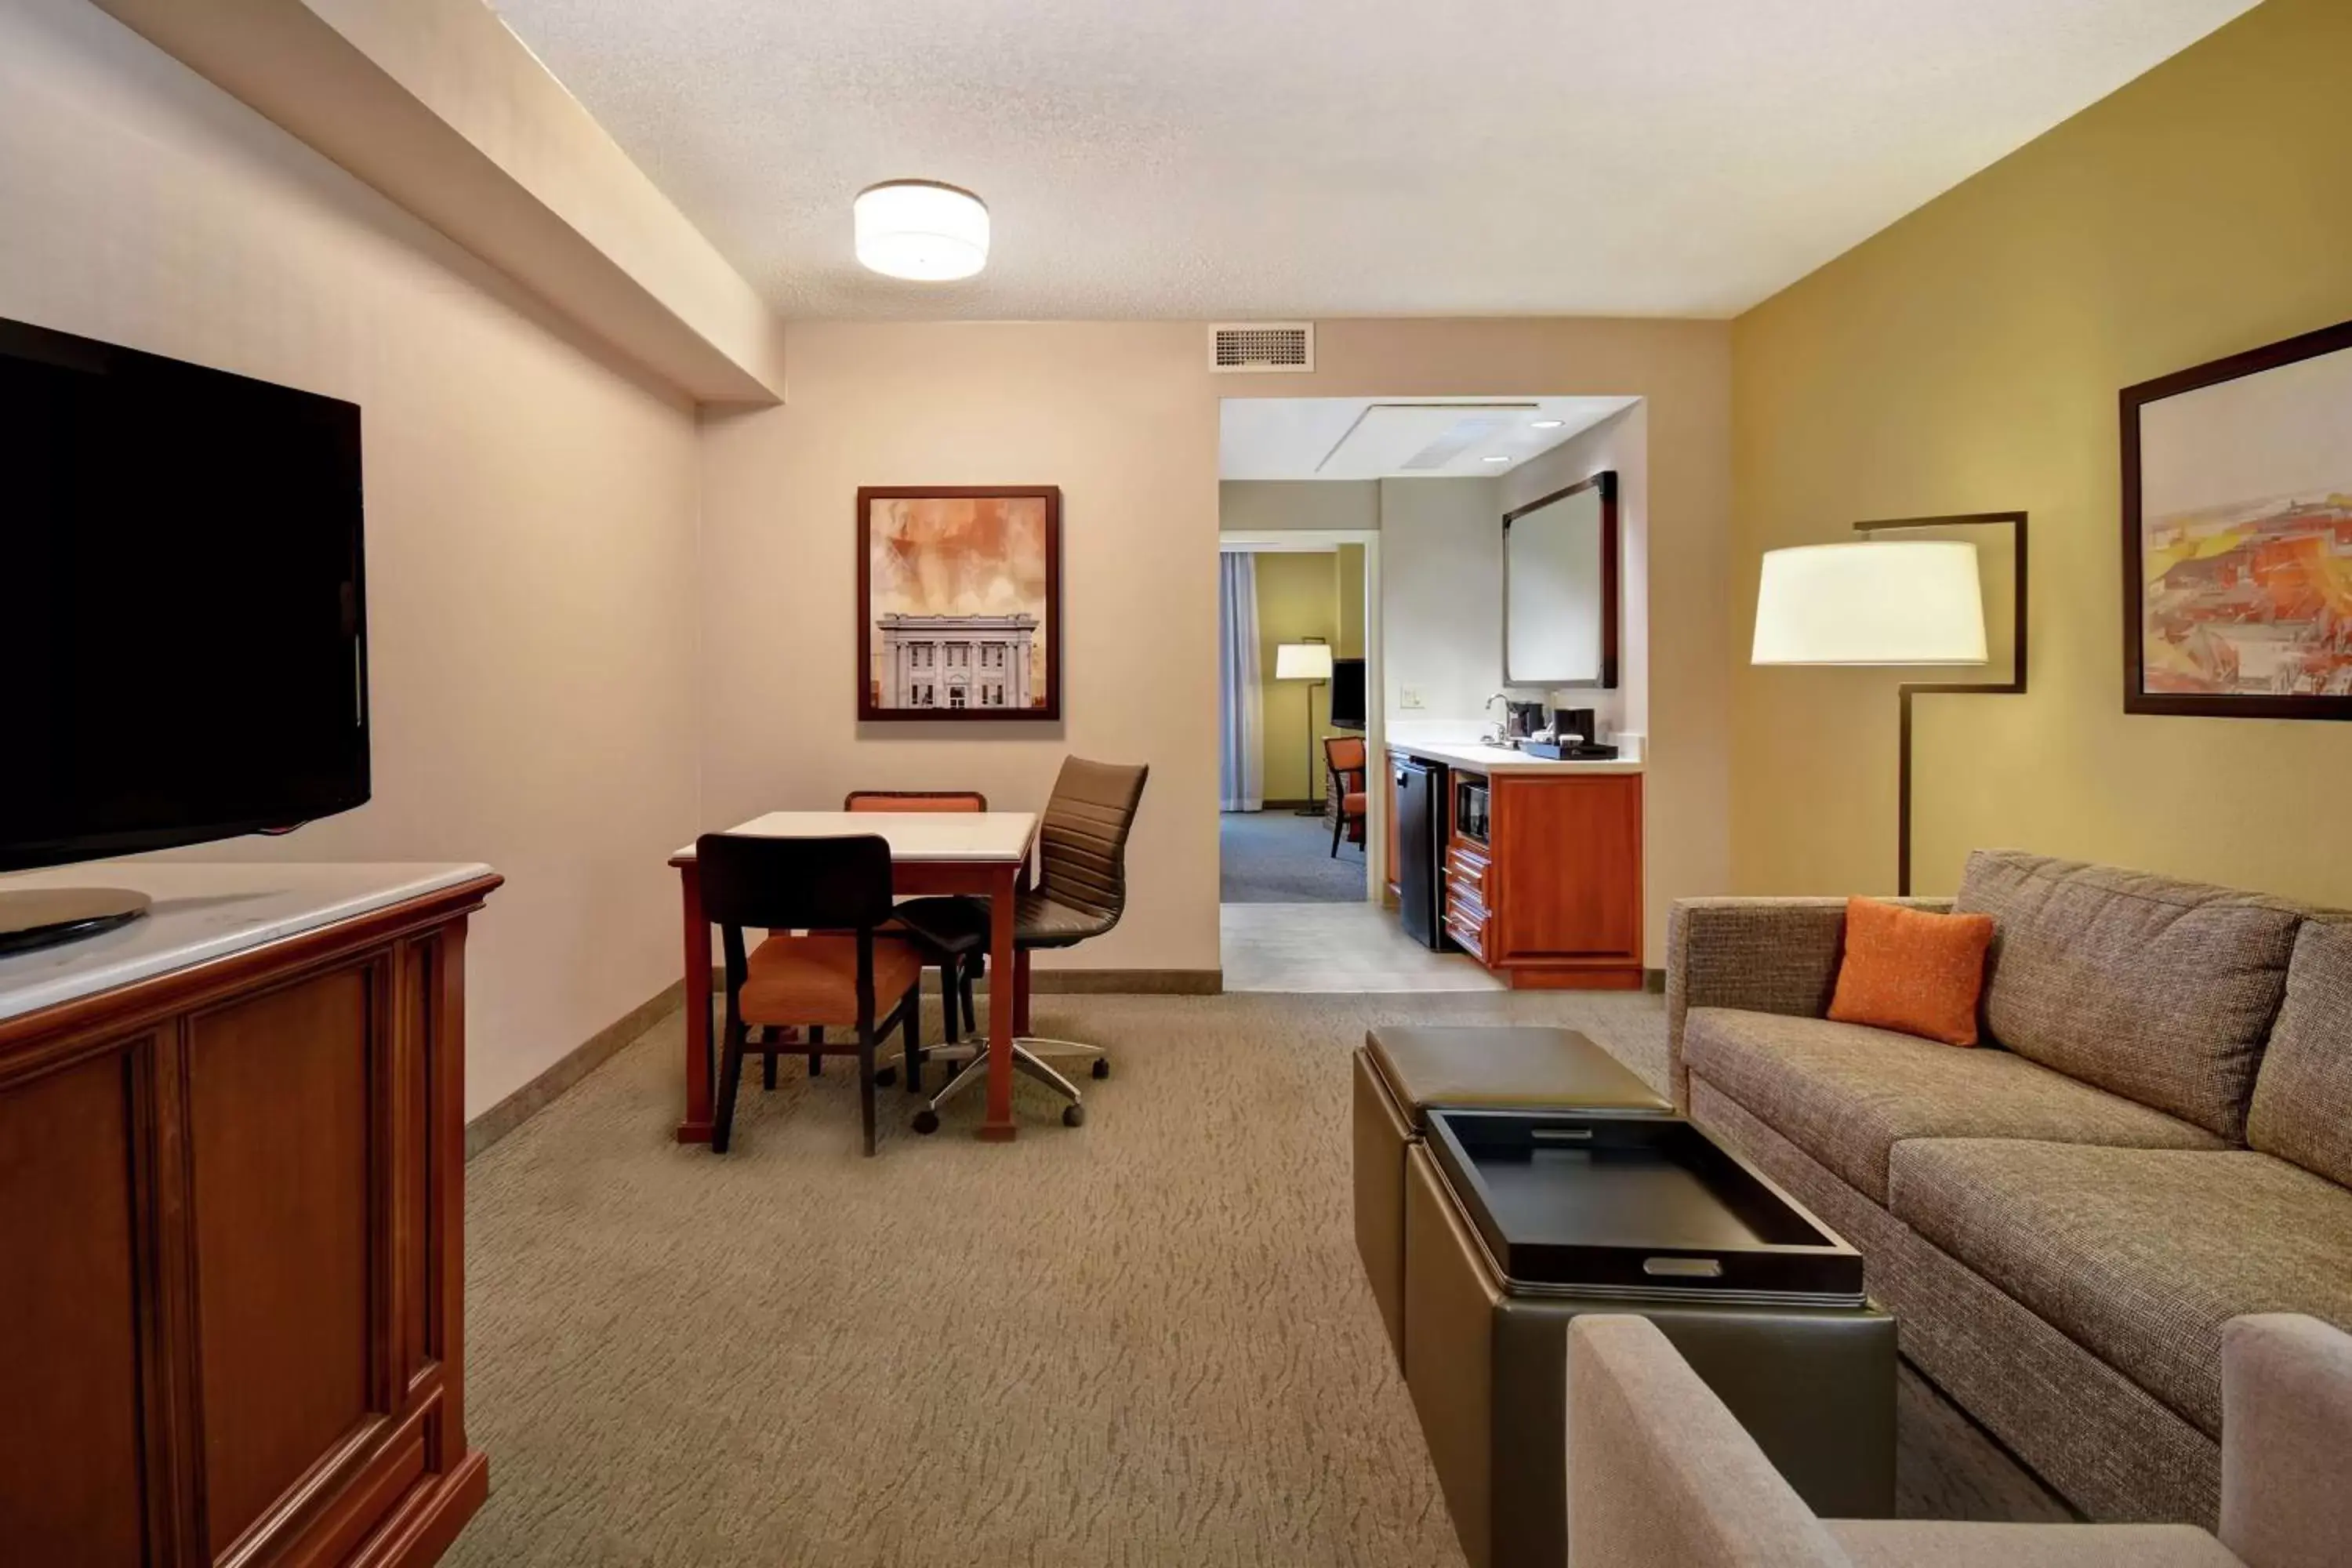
column 1552, row 897
column 232, row 1265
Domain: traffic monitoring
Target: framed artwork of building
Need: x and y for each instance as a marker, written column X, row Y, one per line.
column 959, row 602
column 2236, row 487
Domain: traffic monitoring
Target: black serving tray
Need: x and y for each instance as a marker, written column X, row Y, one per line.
column 1568, row 750
column 1591, row 1203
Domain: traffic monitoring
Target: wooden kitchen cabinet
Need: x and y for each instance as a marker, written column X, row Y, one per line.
column 1552, row 898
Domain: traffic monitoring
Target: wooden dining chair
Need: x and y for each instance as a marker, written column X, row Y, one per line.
column 960, row 953
column 826, row 960
column 1344, row 756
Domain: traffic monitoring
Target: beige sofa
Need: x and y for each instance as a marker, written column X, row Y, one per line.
column 2155, row 1138
column 1662, row 1476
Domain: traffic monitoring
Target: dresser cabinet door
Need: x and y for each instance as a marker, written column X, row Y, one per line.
column 76, row 1236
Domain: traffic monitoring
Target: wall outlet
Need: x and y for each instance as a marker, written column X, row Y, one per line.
column 1410, row 697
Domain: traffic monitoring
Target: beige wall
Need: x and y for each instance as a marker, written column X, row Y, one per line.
column 1260, row 505
column 1441, row 598
column 1125, row 419
column 1967, row 359
column 530, row 509
column 1120, row 418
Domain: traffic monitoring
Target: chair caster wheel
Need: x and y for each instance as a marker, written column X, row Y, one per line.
column 885, row 1077
column 927, row 1123
column 1102, row 1067
column 1074, row 1115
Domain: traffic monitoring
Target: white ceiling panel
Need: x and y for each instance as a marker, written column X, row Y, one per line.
column 1380, row 439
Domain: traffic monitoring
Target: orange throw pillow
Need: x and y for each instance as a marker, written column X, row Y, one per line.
column 1912, row 970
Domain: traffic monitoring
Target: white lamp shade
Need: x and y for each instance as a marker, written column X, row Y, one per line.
column 1302, row 662
column 1902, row 602
column 920, row 230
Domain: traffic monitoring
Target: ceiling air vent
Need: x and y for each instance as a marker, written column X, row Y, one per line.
column 1244, row 346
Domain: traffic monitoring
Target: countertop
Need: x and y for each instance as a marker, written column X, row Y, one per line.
column 202, row 910
column 1491, row 760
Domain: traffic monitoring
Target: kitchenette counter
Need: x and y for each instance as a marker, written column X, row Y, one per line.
column 1501, row 759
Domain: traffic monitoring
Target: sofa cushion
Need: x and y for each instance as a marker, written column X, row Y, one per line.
column 2303, row 1096
column 2140, row 1256
column 1845, row 1093
column 1955, row 1544
column 2162, row 991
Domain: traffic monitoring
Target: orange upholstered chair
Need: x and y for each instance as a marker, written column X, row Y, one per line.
column 841, row 970
column 961, row 953
column 1344, row 755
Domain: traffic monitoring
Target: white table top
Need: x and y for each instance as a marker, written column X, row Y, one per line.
column 202, row 910
column 961, row 837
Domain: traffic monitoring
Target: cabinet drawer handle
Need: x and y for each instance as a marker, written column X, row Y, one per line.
column 1562, row 1134
column 1683, row 1268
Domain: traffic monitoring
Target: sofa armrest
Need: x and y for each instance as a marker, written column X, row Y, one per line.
column 1660, row 1474
column 1762, row 955
column 2286, row 1440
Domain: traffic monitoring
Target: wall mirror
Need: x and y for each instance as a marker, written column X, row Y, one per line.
column 1559, row 587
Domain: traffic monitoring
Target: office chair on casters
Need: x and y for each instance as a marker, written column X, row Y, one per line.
column 958, row 953
column 841, row 970
column 1081, row 895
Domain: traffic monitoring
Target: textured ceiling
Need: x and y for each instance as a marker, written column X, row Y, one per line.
column 1213, row 159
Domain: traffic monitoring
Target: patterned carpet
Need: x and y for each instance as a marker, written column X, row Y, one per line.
column 1143, row 1341
column 1146, row 1341
column 1275, row 858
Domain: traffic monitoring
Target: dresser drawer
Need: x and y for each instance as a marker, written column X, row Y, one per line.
column 1467, row 866
column 1470, row 928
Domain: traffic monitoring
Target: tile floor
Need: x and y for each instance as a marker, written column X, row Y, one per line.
column 1336, row 948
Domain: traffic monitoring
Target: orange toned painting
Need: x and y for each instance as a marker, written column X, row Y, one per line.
column 2243, row 544
column 959, row 604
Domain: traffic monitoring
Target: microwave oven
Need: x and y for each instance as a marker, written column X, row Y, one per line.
column 1470, row 805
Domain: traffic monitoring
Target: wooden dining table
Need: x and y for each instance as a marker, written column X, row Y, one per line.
column 983, row 854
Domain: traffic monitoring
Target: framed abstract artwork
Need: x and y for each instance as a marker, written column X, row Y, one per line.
column 2236, row 487
column 960, row 602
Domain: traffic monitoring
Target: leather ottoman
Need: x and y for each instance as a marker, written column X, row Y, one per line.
column 1401, row 1073
column 1810, row 1377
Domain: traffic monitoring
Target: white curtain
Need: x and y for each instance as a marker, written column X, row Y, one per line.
column 1240, row 750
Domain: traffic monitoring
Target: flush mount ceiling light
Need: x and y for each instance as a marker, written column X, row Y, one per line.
column 1546, row 424
column 920, row 230
column 1497, row 458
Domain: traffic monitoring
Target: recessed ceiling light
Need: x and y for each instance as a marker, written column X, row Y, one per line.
column 920, row 230
column 1498, row 458
column 1546, row 424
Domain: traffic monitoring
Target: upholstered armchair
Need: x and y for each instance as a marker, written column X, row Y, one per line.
column 1661, row 1476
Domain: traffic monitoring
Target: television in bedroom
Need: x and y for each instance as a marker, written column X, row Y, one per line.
column 1346, row 693
column 183, row 613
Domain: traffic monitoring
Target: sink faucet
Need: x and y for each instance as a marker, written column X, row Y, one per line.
column 1501, row 734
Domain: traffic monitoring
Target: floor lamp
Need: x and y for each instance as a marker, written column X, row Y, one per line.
column 1891, row 601
column 1311, row 662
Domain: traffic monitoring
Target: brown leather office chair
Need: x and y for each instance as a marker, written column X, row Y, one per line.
column 1082, row 894
column 957, row 954
column 1344, row 756
column 825, row 962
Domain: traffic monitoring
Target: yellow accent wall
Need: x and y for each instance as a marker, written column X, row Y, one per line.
column 1297, row 601
column 1967, row 359
column 1350, row 643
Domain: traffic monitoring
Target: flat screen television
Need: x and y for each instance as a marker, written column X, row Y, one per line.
column 1346, row 693
column 182, row 614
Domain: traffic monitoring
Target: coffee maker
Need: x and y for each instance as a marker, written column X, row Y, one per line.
column 1524, row 721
